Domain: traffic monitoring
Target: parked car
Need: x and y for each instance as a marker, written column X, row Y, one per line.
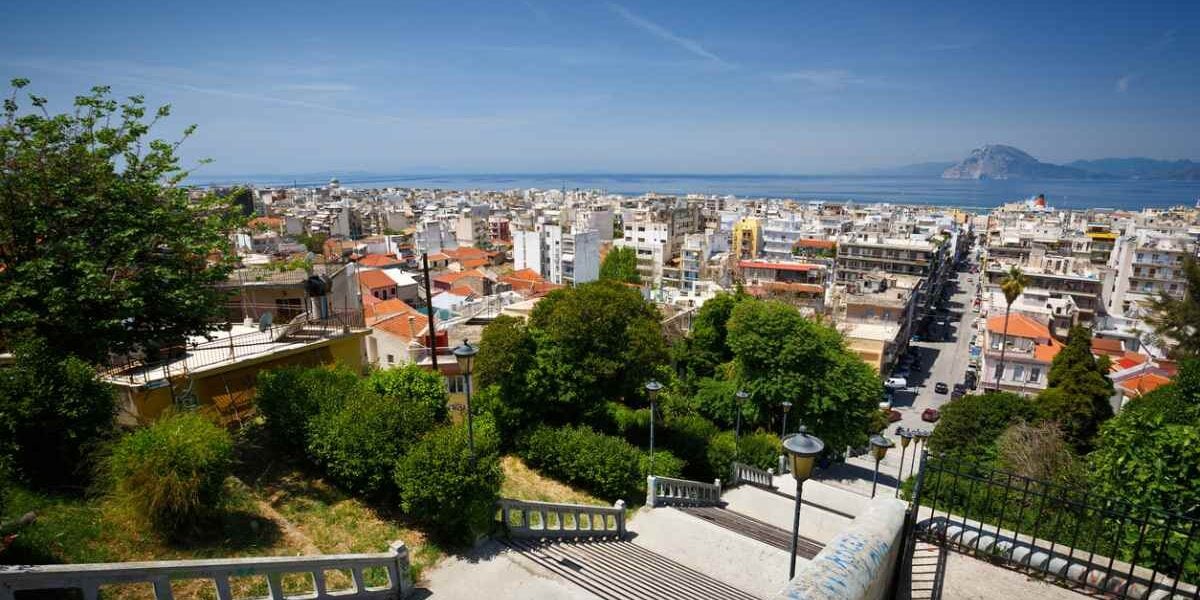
column 957, row 393
column 930, row 415
column 893, row 416
column 941, row 387
column 895, row 383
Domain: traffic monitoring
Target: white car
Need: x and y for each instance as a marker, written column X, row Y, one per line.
column 895, row 383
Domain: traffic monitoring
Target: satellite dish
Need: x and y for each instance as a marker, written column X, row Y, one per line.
column 264, row 322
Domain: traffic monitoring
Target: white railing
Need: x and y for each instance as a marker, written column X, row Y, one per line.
column 526, row 518
column 668, row 491
column 88, row 578
column 744, row 473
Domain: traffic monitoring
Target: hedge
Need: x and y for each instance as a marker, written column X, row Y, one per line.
column 604, row 465
column 289, row 398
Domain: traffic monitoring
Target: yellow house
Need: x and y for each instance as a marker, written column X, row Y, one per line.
column 747, row 238
column 217, row 373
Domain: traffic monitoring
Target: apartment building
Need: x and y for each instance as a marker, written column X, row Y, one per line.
column 1030, row 348
column 876, row 315
column 564, row 258
column 656, row 233
column 1144, row 266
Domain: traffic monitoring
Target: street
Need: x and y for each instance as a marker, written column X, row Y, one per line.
column 938, row 361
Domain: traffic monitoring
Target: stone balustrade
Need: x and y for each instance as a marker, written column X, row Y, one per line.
column 859, row 563
column 668, row 491
column 525, row 518
column 89, row 578
column 743, row 473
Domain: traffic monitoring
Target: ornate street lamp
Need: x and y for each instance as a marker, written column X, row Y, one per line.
column 741, row 396
column 783, row 426
column 905, row 438
column 465, row 355
column 802, row 450
column 652, row 388
column 879, row 448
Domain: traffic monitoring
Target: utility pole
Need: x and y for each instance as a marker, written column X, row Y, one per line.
column 429, row 310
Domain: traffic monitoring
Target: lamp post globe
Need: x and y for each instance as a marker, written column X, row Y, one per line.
column 652, row 389
column 879, row 448
column 906, row 438
column 465, row 355
column 802, row 450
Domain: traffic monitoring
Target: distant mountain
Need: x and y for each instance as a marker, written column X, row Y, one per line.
column 997, row 161
column 1141, row 168
column 925, row 169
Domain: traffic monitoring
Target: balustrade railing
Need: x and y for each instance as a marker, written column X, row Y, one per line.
column 744, row 473
column 90, row 578
column 668, row 491
column 526, row 518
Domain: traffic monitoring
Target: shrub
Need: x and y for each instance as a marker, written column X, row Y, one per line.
column 630, row 423
column 439, row 486
column 358, row 443
column 666, row 464
column 419, row 388
column 55, row 411
column 604, row 465
column 172, row 472
column 970, row 425
column 687, row 437
column 290, row 397
column 757, row 449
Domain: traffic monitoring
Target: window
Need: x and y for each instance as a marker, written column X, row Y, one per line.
column 391, row 359
column 455, row 384
column 1018, row 372
column 1034, row 374
column 999, row 371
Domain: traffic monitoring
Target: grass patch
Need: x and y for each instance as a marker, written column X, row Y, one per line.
column 524, row 483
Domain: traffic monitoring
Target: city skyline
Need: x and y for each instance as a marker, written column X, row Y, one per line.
column 539, row 87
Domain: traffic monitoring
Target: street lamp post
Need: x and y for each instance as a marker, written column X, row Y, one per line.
column 783, row 426
column 652, row 388
column 905, row 439
column 465, row 355
column 879, row 448
column 921, row 436
column 803, row 450
column 741, row 396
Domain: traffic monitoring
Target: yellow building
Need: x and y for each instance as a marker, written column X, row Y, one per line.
column 747, row 238
column 217, row 373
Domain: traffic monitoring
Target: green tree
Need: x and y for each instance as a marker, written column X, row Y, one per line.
column 100, row 249
column 620, row 265
column 705, row 349
column 506, row 351
column 1178, row 319
column 1079, row 392
column 781, row 356
column 594, row 342
column 313, row 242
column 54, row 412
column 970, row 425
column 290, row 397
column 1013, row 285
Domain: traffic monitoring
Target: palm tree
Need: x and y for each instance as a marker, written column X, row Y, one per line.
column 1012, row 284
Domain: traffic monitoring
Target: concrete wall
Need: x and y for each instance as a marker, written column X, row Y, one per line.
column 859, row 563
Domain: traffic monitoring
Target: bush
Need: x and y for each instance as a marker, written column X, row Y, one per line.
column 54, row 412
column 606, row 466
column 665, row 465
column 421, row 389
column 687, row 437
column 630, row 423
column 760, row 450
column 172, row 472
column 358, row 443
column 290, row 397
column 439, row 487
column 970, row 425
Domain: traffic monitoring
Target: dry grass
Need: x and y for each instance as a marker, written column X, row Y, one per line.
column 523, row 483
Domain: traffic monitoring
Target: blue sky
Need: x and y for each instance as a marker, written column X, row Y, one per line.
column 593, row 86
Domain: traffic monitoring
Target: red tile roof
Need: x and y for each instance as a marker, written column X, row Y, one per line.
column 380, row 309
column 374, row 280
column 451, row 277
column 378, row 260
column 1107, row 346
column 1019, row 325
column 815, row 243
column 1143, row 384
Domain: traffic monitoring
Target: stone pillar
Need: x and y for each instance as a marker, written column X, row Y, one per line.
column 651, row 485
column 403, row 571
column 620, row 505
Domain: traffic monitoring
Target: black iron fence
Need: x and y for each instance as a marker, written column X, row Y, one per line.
column 1063, row 531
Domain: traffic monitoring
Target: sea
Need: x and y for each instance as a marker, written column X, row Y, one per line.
column 979, row 195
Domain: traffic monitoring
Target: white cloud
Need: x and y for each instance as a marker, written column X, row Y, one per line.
column 1124, row 81
column 823, row 79
column 665, row 34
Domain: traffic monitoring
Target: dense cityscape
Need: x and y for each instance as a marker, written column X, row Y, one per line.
column 664, row 302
